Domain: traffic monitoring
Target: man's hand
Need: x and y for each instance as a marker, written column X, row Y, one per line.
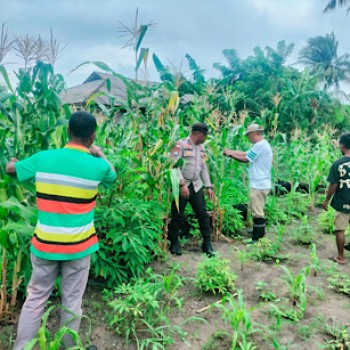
column 10, row 167
column 228, row 153
column 95, row 151
column 325, row 205
column 184, row 192
column 210, row 193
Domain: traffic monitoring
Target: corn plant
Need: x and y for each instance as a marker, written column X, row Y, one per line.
column 46, row 341
column 242, row 256
column 315, row 261
column 17, row 228
column 296, row 283
column 237, row 316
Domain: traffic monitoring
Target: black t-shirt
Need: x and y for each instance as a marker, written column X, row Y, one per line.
column 340, row 174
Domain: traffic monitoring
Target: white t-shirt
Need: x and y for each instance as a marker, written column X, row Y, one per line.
column 260, row 158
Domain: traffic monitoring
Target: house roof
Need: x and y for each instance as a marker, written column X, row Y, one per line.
column 96, row 85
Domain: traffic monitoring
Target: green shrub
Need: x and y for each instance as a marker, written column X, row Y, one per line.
column 138, row 310
column 129, row 231
column 265, row 250
column 326, row 220
column 214, row 275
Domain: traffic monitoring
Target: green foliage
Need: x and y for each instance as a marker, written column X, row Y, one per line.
column 326, row 221
column 265, row 250
column 265, row 293
column 46, row 341
column 304, row 234
column 338, row 333
column 296, row 283
column 315, row 261
column 275, row 212
column 340, row 283
column 238, row 317
column 138, row 310
column 129, row 238
column 214, row 275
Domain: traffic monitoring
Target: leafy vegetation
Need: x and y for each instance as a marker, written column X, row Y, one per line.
column 214, row 275
column 132, row 217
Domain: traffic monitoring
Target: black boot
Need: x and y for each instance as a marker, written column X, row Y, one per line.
column 259, row 226
column 175, row 248
column 206, row 247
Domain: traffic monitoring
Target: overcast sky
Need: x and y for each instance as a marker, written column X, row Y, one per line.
column 202, row 28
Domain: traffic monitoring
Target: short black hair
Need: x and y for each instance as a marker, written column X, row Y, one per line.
column 82, row 125
column 345, row 140
column 200, row 127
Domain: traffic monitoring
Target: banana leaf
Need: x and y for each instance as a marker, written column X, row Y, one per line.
column 175, row 185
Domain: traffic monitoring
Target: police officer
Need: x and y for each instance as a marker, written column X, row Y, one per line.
column 193, row 177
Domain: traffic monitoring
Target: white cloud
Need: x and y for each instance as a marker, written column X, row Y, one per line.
column 202, row 28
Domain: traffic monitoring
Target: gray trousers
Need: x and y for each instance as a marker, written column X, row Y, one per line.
column 74, row 277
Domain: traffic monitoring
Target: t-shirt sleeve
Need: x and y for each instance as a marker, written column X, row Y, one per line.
column 27, row 168
column 109, row 177
column 253, row 153
column 333, row 176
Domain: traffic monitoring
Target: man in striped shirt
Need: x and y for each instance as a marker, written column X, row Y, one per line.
column 66, row 182
column 260, row 159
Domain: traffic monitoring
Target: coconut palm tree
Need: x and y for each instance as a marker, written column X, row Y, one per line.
column 332, row 4
column 321, row 56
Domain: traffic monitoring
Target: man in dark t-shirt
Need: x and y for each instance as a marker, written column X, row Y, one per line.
column 339, row 191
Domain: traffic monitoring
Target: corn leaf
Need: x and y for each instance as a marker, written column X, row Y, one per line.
column 175, row 185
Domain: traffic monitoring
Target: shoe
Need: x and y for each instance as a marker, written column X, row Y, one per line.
column 175, row 248
column 207, row 248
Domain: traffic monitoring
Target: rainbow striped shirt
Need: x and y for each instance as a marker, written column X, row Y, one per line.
column 66, row 182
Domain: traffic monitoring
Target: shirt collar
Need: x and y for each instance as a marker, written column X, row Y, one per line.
column 77, row 147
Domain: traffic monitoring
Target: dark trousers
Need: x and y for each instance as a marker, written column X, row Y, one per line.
column 198, row 205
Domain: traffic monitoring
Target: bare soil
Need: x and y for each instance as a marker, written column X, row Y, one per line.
column 321, row 299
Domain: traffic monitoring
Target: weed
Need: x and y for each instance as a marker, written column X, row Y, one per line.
column 214, row 275
column 266, row 294
column 340, row 283
column 304, row 233
column 138, row 310
column 340, row 334
column 265, row 250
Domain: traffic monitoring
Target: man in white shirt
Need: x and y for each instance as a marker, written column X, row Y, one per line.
column 260, row 159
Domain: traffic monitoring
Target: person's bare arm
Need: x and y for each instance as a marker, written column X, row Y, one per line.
column 97, row 152
column 238, row 155
column 10, row 167
column 331, row 190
